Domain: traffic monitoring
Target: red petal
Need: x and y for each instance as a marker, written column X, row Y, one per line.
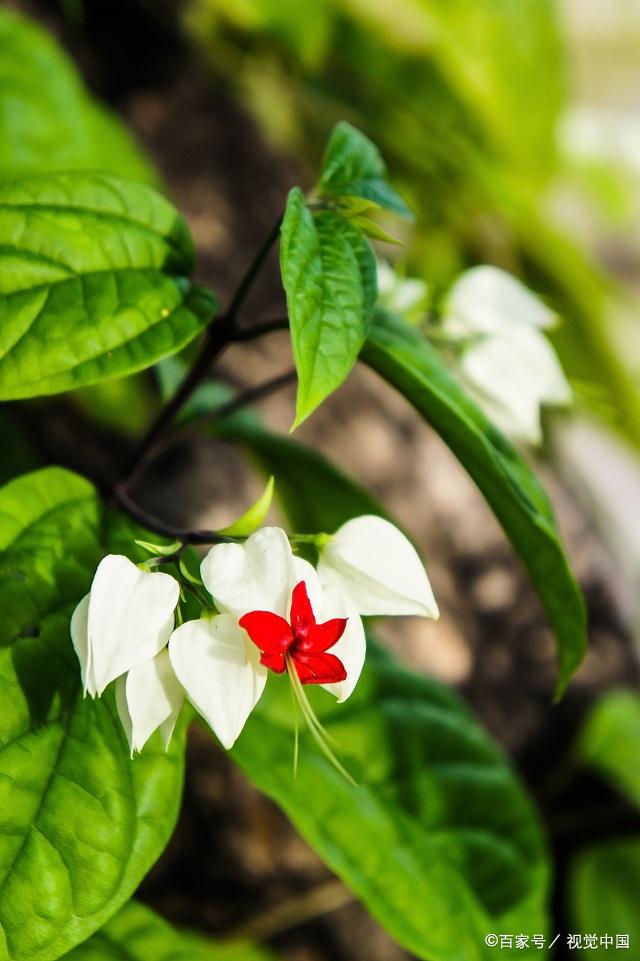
column 275, row 662
column 268, row 631
column 319, row 668
column 322, row 636
column 302, row 618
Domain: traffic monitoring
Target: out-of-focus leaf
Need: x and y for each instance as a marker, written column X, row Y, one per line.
column 463, row 103
column 49, row 123
column 316, row 495
column 400, row 355
column 18, row 454
column 138, row 934
column 93, row 282
column 610, row 742
column 329, row 275
column 439, row 840
column 603, row 895
column 353, row 167
column 125, row 405
column 80, row 823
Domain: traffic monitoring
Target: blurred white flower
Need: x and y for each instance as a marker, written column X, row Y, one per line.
column 403, row 295
column 373, row 564
column 125, row 620
column 507, row 365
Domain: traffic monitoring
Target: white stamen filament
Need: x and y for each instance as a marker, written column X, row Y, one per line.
column 320, row 736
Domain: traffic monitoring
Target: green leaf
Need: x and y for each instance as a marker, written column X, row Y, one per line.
column 80, row 823
column 609, row 742
column 329, row 275
column 352, row 167
column 253, row 517
column 93, row 282
column 49, row 123
column 439, row 841
column 400, row 355
column 138, row 934
column 603, row 893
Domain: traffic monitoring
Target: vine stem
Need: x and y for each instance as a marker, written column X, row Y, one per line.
column 219, row 334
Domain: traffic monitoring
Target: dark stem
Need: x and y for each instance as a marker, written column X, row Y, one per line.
column 220, row 333
column 248, row 397
column 250, row 274
column 159, row 527
column 261, row 329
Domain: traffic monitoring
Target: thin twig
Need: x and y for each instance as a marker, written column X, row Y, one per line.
column 323, row 899
column 250, row 396
column 220, row 333
column 262, row 329
column 125, row 501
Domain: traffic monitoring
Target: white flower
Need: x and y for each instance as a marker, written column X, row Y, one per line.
column 373, row 564
column 486, row 300
column 508, row 366
column 149, row 697
column 125, row 620
column 404, row 295
column 219, row 668
column 275, row 616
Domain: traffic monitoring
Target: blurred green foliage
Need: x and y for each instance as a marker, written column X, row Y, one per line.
column 49, row 123
column 463, row 97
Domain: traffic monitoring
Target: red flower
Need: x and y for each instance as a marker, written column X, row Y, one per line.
column 303, row 641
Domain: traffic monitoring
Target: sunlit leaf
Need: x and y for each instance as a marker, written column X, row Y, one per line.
column 93, row 282
column 329, row 275
column 439, row 840
column 80, row 823
column 252, row 518
column 49, row 123
column 353, row 167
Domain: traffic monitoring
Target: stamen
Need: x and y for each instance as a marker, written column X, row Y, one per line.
column 318, row 733
column 296, row 733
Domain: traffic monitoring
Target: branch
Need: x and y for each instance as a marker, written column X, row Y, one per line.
column 220, row 333
column 250, row 396
column 159, row 527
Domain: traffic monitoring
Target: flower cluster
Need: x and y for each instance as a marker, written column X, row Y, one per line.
column 274, row 612
column 491, row 331
column 506, row 363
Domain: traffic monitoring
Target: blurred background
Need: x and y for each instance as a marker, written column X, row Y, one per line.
column 513, row 129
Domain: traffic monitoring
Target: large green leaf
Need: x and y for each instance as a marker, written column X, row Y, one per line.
column 353, row 167
column 138, row 934
column 603, row 895
column 92, row 282
column 400, row 355
column 49, row 123
column 610, row 742
column 80, row 822
column 329, row 275
column 439, row 840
